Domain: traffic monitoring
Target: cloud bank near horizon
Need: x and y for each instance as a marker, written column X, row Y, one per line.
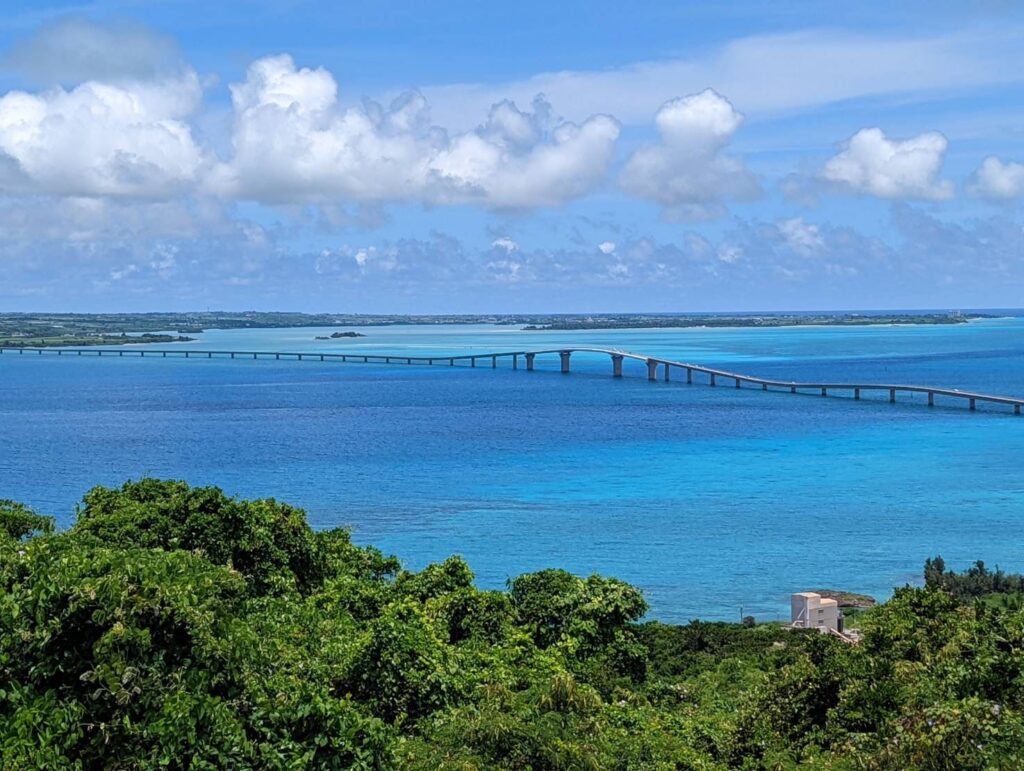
column 121, row 165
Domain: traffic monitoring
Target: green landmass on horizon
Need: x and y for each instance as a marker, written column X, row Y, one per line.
column 69, row 329
column 174, row 627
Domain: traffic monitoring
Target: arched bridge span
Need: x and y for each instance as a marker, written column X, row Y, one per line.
column 656, row 365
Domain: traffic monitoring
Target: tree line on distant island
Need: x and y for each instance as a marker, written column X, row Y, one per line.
column 79, row 329
column 174, row 627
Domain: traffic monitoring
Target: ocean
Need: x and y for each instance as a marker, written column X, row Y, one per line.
column 717, row 502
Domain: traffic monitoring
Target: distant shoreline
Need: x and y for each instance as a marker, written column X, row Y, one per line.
column 67, row 329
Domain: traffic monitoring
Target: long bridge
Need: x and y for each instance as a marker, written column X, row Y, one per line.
column 655, row 365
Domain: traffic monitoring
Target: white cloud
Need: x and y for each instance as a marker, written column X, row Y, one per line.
column 74, row 50
column 505, row 243
column 687, row 171
column 99, row 139
column 802, row 237
column 293, row 143
column 606, row 247
column 873, row 164
column 997, row 180
column 766, row 74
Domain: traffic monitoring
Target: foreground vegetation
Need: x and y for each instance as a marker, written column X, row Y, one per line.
column 174, row 627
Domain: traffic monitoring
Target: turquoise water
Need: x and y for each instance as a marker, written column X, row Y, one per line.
column 709, row 499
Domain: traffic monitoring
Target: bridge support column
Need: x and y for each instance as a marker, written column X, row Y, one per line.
column 232, row 356
column 973, row 406
column 824, row 391
column 1016, row 409
column 472, row 361
column 529, row 361
column 564, row 355
column 856, row 393
column 712, row 381
column 515, row 361
column 792, row 389
column 892, row 395
column 737, row 382
column 321, row 357
column 931, row 398
column 210, row 355
column 689, row 376
column 652, row 369
column 667, row 368
column 494, row 362
column 616, row 365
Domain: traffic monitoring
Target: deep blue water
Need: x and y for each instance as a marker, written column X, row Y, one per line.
column 709, row 499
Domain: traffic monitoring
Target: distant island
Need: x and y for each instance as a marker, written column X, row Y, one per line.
column 338, row 335
column 85, row 339
column 634, row 321
column 67, row 329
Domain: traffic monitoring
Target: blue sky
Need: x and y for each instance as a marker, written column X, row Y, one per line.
column 521, row 157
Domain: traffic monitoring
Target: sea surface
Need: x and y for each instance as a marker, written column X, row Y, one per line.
column 715, row 501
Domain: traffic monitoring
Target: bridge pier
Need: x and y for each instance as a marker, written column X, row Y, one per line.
column 494, row 362
column 792, row 389
column 824, row 391
column 515, row 361
column 529, row 361
column 472, row 361
column 1016, row 409
column 972, row 407
column 737, row 382
column 564, row 355
column 667, row 368
column 652, row 369
column 892, row 395
column 689, row 376
column 616, row 365
column 856, row 393
column 712, row 379
column 931, row 398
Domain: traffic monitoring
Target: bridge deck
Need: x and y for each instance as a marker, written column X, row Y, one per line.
column 652, row 362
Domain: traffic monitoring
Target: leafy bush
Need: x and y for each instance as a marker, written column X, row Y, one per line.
column 174, row 627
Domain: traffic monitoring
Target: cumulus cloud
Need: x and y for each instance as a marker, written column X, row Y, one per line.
column 687, row 171
column 802, row 237
column 997, row 180
column 99, row 139
column 606, row 247
column 872, row 164
column 293, row 143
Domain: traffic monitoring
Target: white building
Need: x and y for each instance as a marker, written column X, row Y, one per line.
column 812, row 611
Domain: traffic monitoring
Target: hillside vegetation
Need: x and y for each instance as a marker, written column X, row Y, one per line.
column 177, row 628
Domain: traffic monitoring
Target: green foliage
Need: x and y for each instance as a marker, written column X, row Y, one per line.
column 267, row 542
column 177, row 628
column 976, row 581
column 18, row 521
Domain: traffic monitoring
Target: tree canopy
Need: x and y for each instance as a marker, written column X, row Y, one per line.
column 174, row 627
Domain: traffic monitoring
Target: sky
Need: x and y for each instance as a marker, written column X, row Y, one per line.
column 397, row 156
